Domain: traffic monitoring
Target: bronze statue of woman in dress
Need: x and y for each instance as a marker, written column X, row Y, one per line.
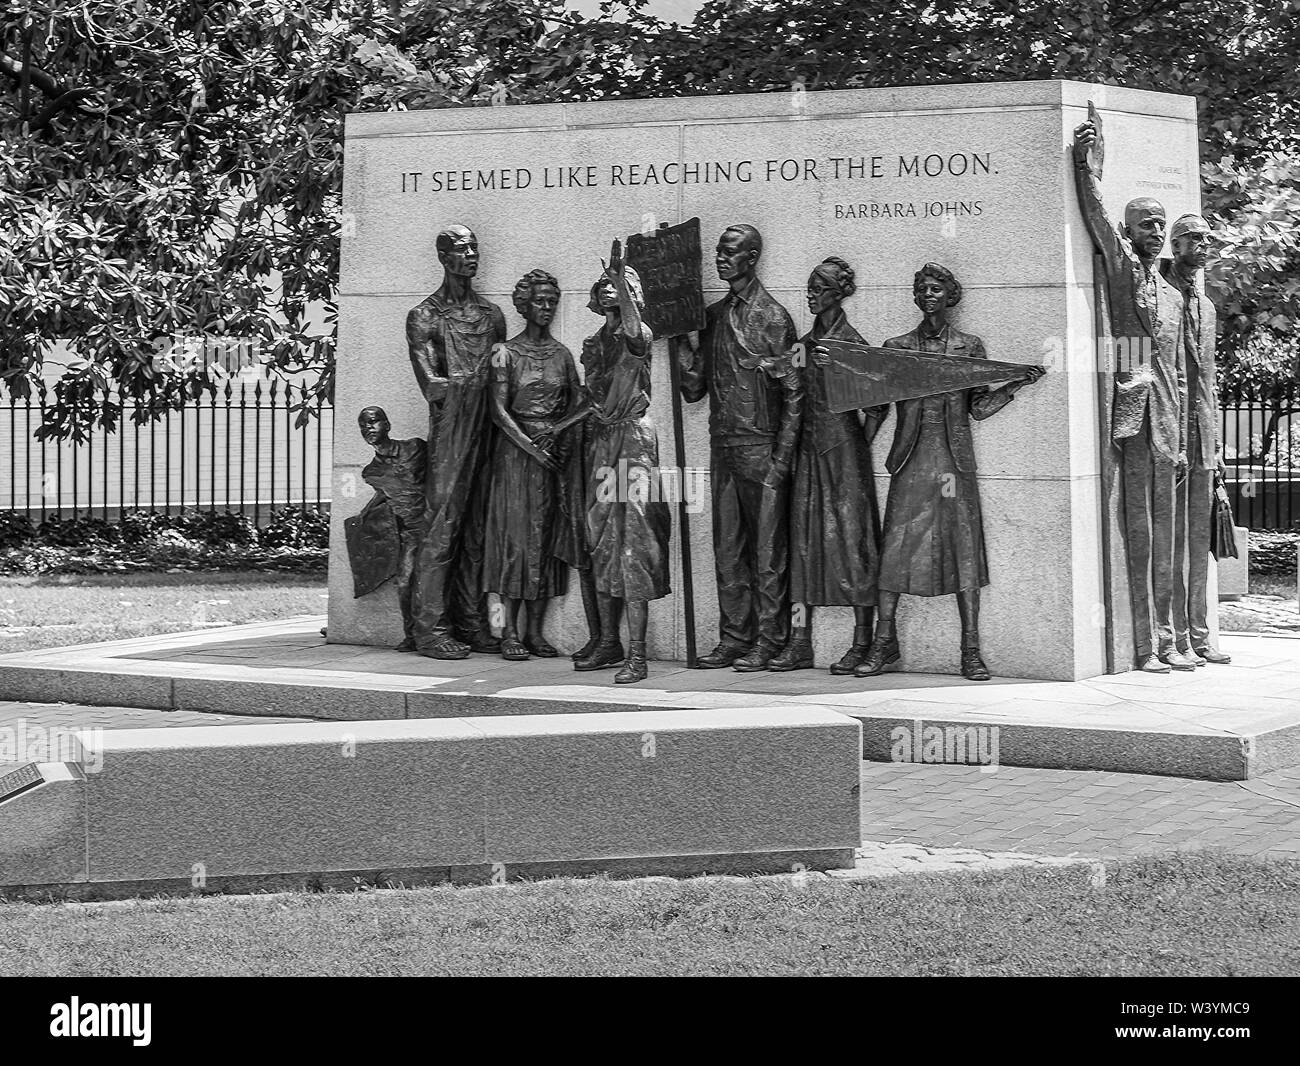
column 934, row 536
column 534, row 386
column 628, row 526
column 834, row 520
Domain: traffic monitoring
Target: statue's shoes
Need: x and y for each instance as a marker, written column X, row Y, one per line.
column 1176, row 659
column 1188, row 653
column 444, row 648
column 1152, row 665
column 634, row 670
column 540, row 648
column 407, row 645
column 1213, row 655
column 972, row 666
column 881, row 654
column 722, row 656
column 586, row 649
column 514, row 649
column 603, row 657
column 851, row 659
column 797, row 655
column 759, row 657
column 484, row 643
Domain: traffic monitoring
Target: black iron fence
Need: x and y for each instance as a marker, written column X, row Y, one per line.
column 238, row 450
column 1261, row 452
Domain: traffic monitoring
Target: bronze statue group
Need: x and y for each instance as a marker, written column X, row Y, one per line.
column 515, row 487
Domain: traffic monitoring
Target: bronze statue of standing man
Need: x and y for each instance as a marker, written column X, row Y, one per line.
column 755, row 395
column 451, row 335
column 1191, row 241
column 1148, row 419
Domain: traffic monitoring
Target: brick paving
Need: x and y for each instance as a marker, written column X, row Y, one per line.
column 1078, row 812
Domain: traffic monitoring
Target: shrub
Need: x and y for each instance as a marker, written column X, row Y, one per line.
column 1273, row 553
column 217, row 528
column 140, row 526
column 15, row 529
column 76, row 532
column 292, row 527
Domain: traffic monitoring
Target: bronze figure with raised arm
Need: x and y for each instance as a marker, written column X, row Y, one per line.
column 1148, row 421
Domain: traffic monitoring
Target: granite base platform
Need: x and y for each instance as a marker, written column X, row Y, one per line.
column 1220, row 723
column 236, row 808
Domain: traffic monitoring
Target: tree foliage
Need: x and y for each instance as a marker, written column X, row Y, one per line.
column 172, row 167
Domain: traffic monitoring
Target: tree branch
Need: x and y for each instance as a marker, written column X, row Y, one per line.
column 13, row 68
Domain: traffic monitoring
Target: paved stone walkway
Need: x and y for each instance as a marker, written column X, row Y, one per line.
column 40, row 728
column 1078, row 812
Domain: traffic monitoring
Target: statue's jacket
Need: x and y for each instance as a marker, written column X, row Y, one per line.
column 958, row 407
column 1200, row 326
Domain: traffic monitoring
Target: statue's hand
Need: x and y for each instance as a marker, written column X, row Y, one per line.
column 544, row 438
column 614, row 268
column 435, row 390
column 1089, row 147
column 821, row 355
column 778, row 472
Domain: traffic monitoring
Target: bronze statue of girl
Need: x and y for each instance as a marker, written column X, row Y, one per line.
column 934, row 535
column 834, row 520
column 628, row 525
column 534, row 386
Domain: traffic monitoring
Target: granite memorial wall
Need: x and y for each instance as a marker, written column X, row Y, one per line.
column 975, row 177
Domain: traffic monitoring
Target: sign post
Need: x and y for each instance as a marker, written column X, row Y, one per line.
column 668, row 262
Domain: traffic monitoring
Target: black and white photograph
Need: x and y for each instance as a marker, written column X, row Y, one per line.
column 650, row 488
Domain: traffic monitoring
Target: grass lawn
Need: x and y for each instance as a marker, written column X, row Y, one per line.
column 49, row 612
column 1202, row 914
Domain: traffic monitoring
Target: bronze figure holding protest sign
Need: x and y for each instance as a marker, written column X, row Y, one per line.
column 1191, row 241
column 934, row 537
column 534, row 386
column 384, row 538
column 1148, row 419
column 628, row 525
column 755, row 395
column 834, row 520
column 451, row 335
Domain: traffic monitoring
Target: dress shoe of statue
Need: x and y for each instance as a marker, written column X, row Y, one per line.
column 721, row 657
column 852, row 658
column 1188, row 653
column 972, row 665
column 759, row 657
column 444, row 647
column 1174, row 658
column 602, row 657
column 1152, row 665
column 586, row 650
column 635, row 668
column 884, row 650
column 407, row 645
column 796, row 655
column 1212, row 655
